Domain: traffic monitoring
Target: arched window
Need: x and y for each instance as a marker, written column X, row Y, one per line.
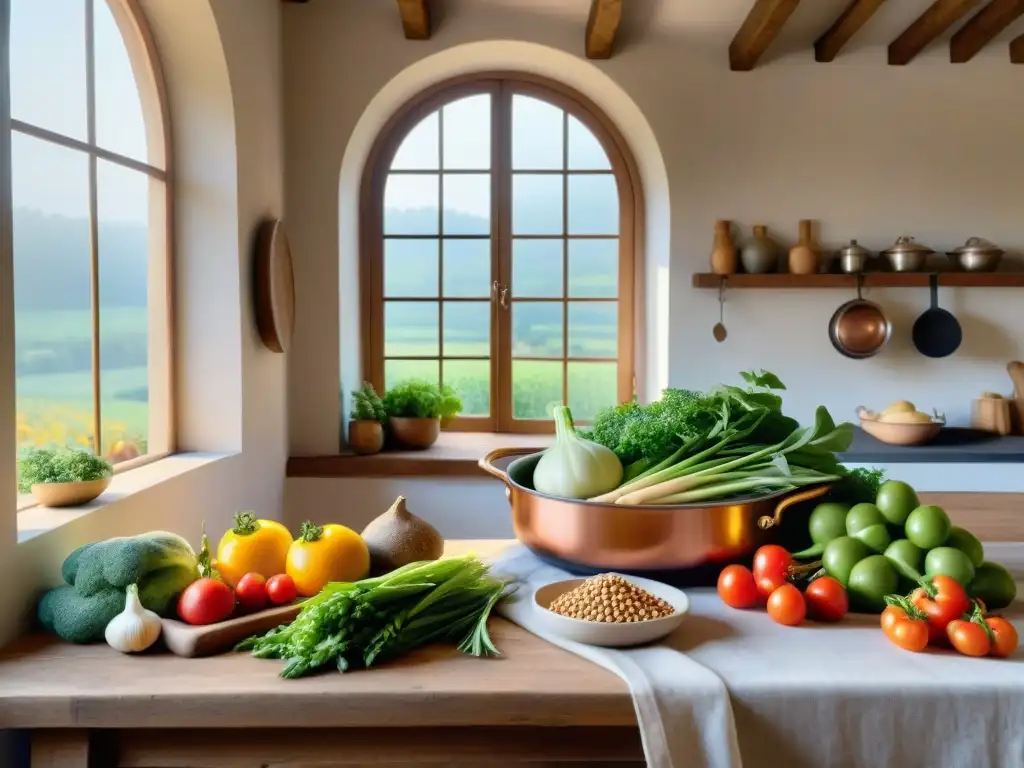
column 497, row 241
column 90, row 170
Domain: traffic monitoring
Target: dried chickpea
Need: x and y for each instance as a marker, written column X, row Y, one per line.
column 611, row 599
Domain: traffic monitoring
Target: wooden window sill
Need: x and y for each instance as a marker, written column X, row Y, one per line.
column 455, row 454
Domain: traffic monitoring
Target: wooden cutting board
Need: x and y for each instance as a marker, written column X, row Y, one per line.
column 275, row 286
column 189, row 640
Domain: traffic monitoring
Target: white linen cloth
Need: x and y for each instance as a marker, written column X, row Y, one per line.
column 682, row 708
column 812, row 696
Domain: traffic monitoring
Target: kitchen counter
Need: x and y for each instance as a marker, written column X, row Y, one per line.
column 436, row 706
column 953, row 445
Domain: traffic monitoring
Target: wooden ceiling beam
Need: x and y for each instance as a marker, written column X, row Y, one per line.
column 762, row 25
column 939, row 17
column 1017, row 50
column 602, row 26
column 415, row 19
column 856, row 15
column 982, row 28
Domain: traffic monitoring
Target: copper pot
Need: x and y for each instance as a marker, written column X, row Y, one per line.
column 623, row 537
column 859, row 328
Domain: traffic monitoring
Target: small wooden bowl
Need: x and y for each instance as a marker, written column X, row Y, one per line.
column 69, row 494
column 416, row 433
column 365, row 437
column 901, row 434
column 610, row 635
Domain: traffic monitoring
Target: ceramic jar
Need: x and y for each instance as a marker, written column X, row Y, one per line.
column 723, row 252
column 803, row 257
column 760, row 253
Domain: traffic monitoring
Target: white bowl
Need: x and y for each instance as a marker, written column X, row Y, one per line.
column 610, row 635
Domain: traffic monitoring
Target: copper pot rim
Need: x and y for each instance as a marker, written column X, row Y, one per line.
column 527, row 454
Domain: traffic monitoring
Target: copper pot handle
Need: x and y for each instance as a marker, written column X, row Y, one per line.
column 487, row 462
column 769, row 521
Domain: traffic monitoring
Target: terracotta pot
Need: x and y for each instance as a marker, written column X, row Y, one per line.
column 760, row 254
column 804, row 258
column 723, row 252
column 365, row 436
column 69, row 494
column 416, row 433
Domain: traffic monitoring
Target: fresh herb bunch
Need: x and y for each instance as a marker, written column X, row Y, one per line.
column 367, row 405
column 59, row 465
column 860, row 485
column 366, row 622
column 420, row 399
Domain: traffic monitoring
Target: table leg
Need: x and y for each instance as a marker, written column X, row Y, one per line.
column 60, row 748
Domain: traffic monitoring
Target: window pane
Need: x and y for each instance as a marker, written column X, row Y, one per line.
column 536, row 205
column 397, row 371
column 536, row 388
column 53, row 326
column 585, row 151
column 122, row 197
column 472, row 380
column 592, row 386
column 48, row 65
column 537, row 329
column 119, row 123
column 593, row 205
column 593, row 329
column 410, row 268
column 467, row 133
column 593, row 269
column 536, row 135
column 410, row 329
column 419, row 149
column 467, row 268
column 467, row 328
column 537, row 268
column 467, row 204
column 410, row 204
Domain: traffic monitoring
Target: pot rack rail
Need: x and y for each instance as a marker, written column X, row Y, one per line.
column 868, row 280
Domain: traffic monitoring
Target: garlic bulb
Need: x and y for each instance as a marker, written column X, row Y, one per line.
column 573, row 467
column 135, row 628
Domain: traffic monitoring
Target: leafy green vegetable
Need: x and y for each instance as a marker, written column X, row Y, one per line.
column 63, row 465
column 358, row 624
column 367, row 406
column 762, row 379
column 860, row 485
column 420, row 399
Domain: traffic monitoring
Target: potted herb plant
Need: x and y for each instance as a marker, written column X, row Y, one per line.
column 63, row 477
column 366, row 427
column 416, row 409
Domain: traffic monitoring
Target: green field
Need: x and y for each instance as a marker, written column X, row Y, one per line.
column 54, row 381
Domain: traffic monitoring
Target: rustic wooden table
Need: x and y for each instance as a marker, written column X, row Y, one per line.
column 91, row 706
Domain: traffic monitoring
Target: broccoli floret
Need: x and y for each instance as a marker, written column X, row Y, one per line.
column 161, row 563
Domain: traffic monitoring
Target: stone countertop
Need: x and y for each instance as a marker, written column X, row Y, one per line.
column 953, row 445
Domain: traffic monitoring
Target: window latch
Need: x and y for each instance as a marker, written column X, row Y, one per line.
column 500, row 292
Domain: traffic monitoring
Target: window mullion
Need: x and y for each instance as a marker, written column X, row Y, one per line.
column 94, row 251
column 501, row 232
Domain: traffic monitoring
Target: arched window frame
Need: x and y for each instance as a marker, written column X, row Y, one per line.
column 158, row 167
column 501, row 85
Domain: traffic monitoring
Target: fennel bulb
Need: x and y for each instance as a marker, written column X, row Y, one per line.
column 575, row 468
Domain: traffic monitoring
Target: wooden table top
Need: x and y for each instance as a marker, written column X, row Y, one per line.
column 45, row 683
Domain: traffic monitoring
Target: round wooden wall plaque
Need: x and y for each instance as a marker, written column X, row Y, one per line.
column 275, row 286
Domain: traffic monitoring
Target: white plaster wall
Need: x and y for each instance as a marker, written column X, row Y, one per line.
column 871, row 151
column 223, row 68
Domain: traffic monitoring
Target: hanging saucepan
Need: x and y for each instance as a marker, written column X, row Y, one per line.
column 859, row 328
column 937, row 332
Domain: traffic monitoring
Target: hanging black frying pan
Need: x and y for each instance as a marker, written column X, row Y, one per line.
column 937, row 333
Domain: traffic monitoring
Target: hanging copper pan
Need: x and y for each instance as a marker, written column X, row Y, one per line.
column 859, row 328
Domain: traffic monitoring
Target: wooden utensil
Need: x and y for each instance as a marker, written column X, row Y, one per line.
column 188, row 640
column 719, row 331
column 1016, row 371
column 275, row 286
column 992, row 414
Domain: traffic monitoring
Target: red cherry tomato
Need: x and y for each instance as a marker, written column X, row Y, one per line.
column 968, row 638
column 771, row 563
column 826, row 599
column 1005, row 636
column 950, row 602
column 786, row 605
column 252, row 591
column 206, row 601
column 281, row 589
column 737, row 588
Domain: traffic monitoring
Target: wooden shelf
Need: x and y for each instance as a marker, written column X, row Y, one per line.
column 871, row 280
